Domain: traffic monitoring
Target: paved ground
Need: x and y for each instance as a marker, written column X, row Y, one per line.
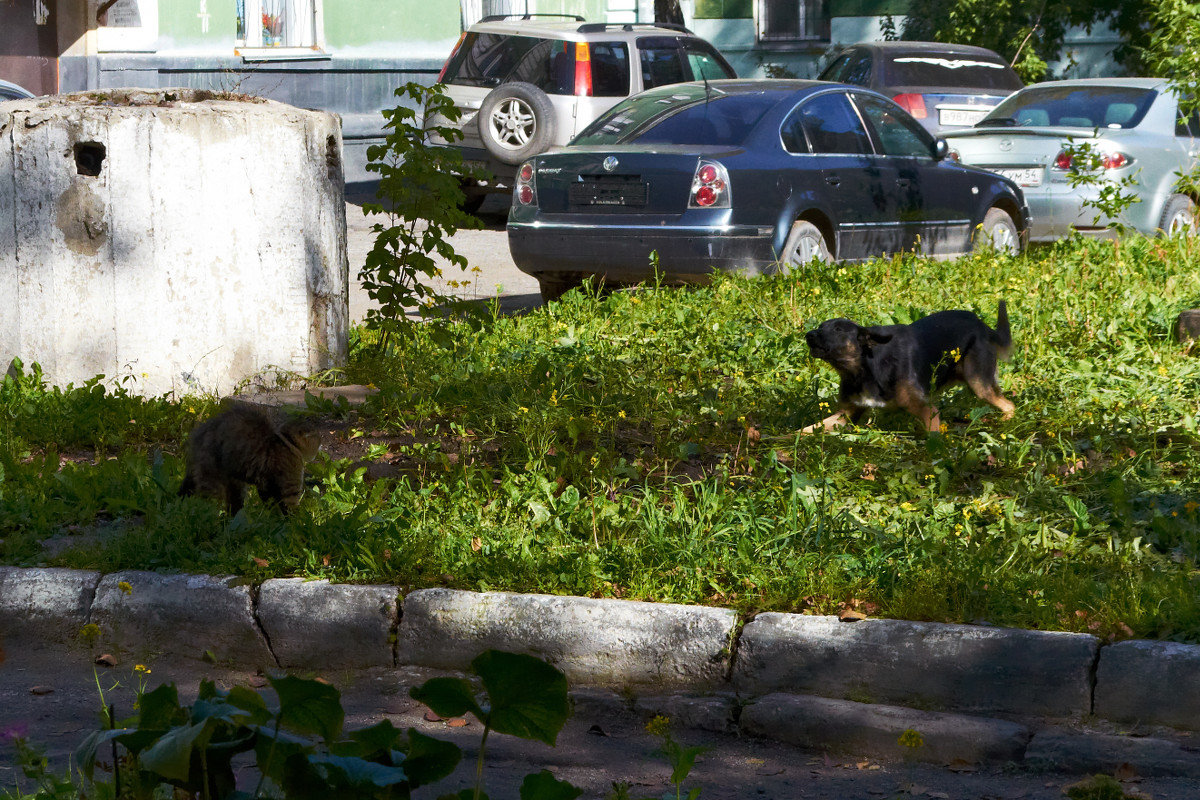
column 486, row 249
column 599, row 746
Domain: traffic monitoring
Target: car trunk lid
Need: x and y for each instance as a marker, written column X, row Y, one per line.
column 619, row 181
column 1024, row 156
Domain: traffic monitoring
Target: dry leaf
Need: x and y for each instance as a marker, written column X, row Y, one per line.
column 939, row 795
column 41, row 690
column 868, row 472
column 1125, row 772
column 783, row 457
column 106, row 660
column 962, row 765
column 752, row 434
column 262, row 562
column 325, row 560
column 432, row 717
column 477, row 544
column 850, row 615
column 387, row 555
column 458, row 722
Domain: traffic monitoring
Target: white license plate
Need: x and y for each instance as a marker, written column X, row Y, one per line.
column 961, row 116
column 1030, row 176
column 471, row 163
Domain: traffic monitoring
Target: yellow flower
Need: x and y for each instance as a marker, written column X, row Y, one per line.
column 911, row 738
column 522, row 409
column 621, row 414
column 89, row 633
column 141, row 668
column 943, row 427
column 658, row 726
column 125, row 587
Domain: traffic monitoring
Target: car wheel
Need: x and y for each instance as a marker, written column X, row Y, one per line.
column 553, row 286
column 516, row 121
column 1178, row 217
column 473, row 197
column 805, row 243
column 998, row 232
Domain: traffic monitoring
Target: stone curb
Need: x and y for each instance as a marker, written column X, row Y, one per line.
column 319, row 625
column 1150, row 682
column 45, row 606
column 1097, row 752
column 671, row 650
column 197, row 616
column 600, row 642
column 922, row 664
column 850, row 727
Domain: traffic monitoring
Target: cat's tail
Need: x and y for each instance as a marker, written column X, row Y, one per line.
column 1002, row 336
column 188, row 488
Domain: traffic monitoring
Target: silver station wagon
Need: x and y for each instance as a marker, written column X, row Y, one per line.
column 1132, row 125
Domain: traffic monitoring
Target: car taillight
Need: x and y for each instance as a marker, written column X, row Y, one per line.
column 710, row 186
column 453, row 53
column 912, row 103
column 583, row 70
column 1064, row 160
column 525, row 191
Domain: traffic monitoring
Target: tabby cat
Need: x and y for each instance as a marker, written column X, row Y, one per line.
column 245, row 445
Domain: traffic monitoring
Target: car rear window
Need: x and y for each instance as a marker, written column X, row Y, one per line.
column 489, row 59
column 1073, row 107
column 950, row 70
column 689, row 115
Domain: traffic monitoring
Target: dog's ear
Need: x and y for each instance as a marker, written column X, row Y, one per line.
column 869, row 337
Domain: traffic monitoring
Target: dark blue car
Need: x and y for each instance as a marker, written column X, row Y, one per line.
column 755, row 176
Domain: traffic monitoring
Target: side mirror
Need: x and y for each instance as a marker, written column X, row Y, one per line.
column 940, row 149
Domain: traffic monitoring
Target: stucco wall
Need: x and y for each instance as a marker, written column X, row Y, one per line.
column 207, row 247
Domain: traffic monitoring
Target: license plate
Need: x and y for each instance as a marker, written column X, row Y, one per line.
column 1030, row 176
column 961, row 116
column 471, row 163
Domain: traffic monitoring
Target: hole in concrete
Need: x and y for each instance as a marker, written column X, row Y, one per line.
column 89, row 156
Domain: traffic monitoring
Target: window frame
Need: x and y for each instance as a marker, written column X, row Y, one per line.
column 800, row 39
column 251, row 47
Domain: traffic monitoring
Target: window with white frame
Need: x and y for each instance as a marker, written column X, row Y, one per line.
column 792, row 20
column 279, row 24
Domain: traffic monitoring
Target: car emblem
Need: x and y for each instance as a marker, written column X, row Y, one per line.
column 610, row 163
column 1005, row 145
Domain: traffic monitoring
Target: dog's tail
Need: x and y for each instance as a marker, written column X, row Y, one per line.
column 1002, row 336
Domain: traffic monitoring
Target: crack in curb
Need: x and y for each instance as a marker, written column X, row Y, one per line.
column 89, row 598
column 735, row 645
column 1093, row 678
column 262, row 631
column 394, row 630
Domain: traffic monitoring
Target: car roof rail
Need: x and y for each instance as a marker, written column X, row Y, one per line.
column 502, row 17
column 601, row 27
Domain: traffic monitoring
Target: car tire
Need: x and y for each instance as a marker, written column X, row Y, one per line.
column 998, row 232
column 553, row 287
column 805, row 243
column 1178, row 217
column 473, row 197
column 516, row 121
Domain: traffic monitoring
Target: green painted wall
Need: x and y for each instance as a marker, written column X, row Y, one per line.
column 724, row 9
column 591, row 10
column 361, row 23
column 179, row 21
column 867, row 8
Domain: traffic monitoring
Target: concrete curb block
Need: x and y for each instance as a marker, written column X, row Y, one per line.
column 318, row 625
column 1096, row 752
column 876, row 729
column 717, row 713
column 601, row 642
column 926, row 664
column 188, row 615
column 43, row 606
column 1150, row 682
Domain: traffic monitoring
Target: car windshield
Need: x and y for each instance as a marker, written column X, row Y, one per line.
column 1072, row 107
column 688, row 114
column 951, row 70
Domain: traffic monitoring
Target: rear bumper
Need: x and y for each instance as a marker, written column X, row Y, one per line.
column 1055, row 208
column 685, row 253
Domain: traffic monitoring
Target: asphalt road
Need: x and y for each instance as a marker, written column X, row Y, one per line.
column 598, row 747
column 486, row 249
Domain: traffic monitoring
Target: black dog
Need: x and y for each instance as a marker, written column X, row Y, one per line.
column 897, row 365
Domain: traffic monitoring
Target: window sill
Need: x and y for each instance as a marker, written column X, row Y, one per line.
column 250, row 54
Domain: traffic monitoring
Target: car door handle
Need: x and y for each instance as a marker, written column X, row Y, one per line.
column 832, row 180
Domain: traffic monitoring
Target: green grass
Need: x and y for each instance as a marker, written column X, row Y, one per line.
column 643, row 445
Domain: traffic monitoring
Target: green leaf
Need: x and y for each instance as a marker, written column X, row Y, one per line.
column 356, row 773
column 159, row 709
column 528, row 696
column 308, row 706
column 683, row 762
column 381, row 737
column 171, row 755
column 447, row 697
column 544, row 786
column 85, row 754
column 429, row 760
column 251, row 702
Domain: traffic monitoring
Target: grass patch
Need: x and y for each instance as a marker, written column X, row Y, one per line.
column 644, row 445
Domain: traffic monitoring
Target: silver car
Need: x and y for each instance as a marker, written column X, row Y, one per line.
column 524, row 85
column 1133, row 127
